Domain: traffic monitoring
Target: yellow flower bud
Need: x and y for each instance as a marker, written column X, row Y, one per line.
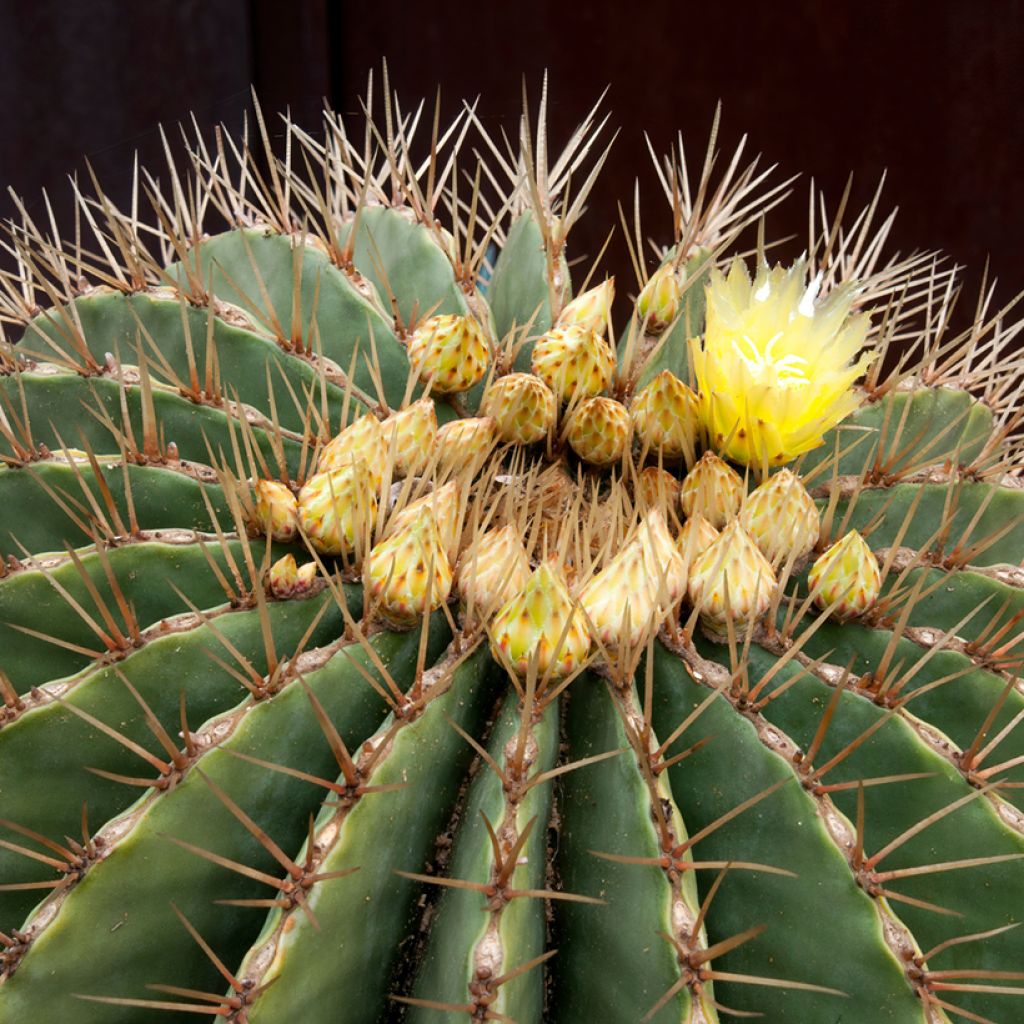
column 409, row 436
column 573, row 361
column 409, row 573
column 590, row 309
column 781, row 518
column 465, row 444
column 449, row 352
column 657, row 488
column 658, row 303
column 492, row 570
column 712, row 488
column 666, row 415
column 445, row 507
column 846, row 575
column 522, row 406
column 731, row 580
column 361, row 441
column 599, row 431
column 531, row 626
column 337, row 507
column 277, row 512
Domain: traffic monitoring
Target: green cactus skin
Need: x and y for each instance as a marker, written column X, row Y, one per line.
column 821, row 821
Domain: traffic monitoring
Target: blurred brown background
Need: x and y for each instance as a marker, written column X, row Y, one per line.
column 930, row 91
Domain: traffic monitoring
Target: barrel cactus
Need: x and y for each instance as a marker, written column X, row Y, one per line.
column 387, row 637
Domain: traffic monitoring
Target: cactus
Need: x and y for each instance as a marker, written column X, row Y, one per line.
column 580, row 749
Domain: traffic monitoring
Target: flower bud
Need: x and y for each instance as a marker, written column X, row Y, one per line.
column 657, row 488
column 449, row 352
column 283, row 576
column 444, row 506
column 848, row 576
column 712, row 488
column 781, row 518
column 409, row 574
column 522, row 406
column 465, row 444
column 492, row 570
column 665, row 568
column 590, row 309
column 409, row 436
column 531, row 626
column 658, row 303
column 573, row 361
column 361, row 441
column 696, row 536
column 731, row 580
column 288, row 580
column 620, row 601
column 337, row 507
column 599, row 430
column 277, row 512
column 666, row 416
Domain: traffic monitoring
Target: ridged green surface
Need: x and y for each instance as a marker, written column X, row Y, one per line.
column 915, row 478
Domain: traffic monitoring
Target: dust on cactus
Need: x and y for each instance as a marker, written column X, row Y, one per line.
column 387, row 637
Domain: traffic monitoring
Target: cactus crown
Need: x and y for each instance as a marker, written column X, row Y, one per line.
column 383, row 637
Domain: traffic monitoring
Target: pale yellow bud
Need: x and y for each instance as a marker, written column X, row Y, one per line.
column 463, row 445
column 590, row 309
column 445, row 507
column 712, row 488
column 409, row 436
column 731, row 580
column 361, row 441
column 337, row 507
column 277, row 512
column 620, row 601
column 523, row 407
column 658, row 303
column 781, row 518
column 541, row 623
column 657, row 488
column 847, row 576
column 493, row 570
column 449, row 352
column 599, row 431
column 283, row 576
column 409, row 573
column 574, row 362
column 666, row 416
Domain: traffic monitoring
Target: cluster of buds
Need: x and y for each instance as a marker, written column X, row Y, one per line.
column 286, row 579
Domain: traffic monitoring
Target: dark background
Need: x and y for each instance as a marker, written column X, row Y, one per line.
column 930, row 91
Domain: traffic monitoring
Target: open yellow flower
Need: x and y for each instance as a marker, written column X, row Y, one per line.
column 775, row 367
